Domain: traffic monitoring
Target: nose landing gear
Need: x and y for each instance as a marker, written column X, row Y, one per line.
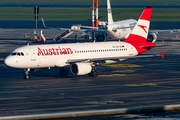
column 26, row 76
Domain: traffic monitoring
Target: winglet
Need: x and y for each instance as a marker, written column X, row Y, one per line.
column 162, row 54
column 44, row 23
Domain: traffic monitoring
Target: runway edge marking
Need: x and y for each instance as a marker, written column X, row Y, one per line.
column 90, row 113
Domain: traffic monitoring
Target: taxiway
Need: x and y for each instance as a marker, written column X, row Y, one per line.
column 133, row 83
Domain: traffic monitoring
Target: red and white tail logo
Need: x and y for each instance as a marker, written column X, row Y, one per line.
column 140, row 31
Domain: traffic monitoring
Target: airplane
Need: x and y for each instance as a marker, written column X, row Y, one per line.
column 82, row 58
column 118, row 30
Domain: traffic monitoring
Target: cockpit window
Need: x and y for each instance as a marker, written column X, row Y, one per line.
column 13, row 53
column 17, row 54
column 22, row 54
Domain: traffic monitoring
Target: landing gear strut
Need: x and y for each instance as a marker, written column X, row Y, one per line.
column 63, row 72
column 93, row 73
column 26, row 76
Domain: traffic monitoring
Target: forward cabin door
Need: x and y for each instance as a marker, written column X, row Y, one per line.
column 33, row 55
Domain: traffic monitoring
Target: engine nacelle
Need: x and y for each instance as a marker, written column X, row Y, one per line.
column 81, row 68
column 152, row 37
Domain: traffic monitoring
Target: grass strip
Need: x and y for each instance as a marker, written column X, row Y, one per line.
column 85, row 14
column 145, row 2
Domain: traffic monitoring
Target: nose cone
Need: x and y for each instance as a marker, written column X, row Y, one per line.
column 10, row 62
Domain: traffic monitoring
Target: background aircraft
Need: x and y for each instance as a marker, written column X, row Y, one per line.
column 118, row 30
column 83, row 57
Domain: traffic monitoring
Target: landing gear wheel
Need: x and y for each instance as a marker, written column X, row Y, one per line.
column 63, row 72
column 93, row 74
column 26, row 76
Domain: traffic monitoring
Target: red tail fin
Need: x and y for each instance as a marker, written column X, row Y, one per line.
column 141, row 29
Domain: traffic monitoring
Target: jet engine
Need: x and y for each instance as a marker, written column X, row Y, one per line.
column 81, row 68
column 152, row 37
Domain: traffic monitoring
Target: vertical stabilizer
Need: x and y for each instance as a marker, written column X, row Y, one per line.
column 141, row 29
column 110, row 18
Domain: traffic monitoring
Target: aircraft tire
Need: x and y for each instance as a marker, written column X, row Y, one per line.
column 26, row 77
column 93, row 74
column 63, row 72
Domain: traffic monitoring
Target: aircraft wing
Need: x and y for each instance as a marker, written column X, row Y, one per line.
column 123, row 27
column 113, row 58
column 75, row 28
column 168, row 30
column 52, row 27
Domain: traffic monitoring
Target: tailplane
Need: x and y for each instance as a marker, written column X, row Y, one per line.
column 141, row 29
column 110, row 18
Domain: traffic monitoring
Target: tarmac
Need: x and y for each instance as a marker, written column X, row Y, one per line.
column 133, row 86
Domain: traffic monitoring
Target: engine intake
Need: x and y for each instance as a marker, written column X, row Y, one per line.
column 152, row 37
column 81, row 68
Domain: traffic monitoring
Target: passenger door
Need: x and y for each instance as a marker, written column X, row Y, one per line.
column 33, row 55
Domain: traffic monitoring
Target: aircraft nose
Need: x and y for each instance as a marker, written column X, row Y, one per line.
column 9, row 62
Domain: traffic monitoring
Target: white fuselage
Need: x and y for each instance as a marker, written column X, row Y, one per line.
column 120, row 29
column 60, row 55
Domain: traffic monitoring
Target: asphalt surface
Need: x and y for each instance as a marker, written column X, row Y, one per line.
column 133, row 83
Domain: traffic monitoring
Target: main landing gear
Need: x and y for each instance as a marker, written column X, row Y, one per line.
column 63, row 72
column 26, row 76
column 93, row 73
